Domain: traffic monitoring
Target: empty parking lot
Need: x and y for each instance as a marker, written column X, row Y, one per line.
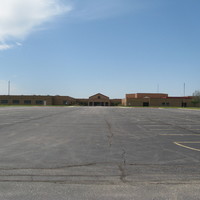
column 59, row 152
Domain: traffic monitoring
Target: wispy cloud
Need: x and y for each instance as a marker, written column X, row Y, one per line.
column 101, row 9
column 18, row 18
column 5, row 46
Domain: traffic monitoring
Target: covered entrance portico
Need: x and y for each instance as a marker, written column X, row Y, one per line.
column 98, row 103
column 99, row 100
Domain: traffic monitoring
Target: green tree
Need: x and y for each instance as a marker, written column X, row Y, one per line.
column 196, row 97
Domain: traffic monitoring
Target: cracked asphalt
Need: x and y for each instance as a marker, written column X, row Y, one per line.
column 99, row 153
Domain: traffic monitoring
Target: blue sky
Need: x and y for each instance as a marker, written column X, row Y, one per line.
column 82, row 47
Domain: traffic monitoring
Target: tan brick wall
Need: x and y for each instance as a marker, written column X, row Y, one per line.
column 82, row 102
column 22, row 99
column 160, row 102
column 151, row 95
column 131, row 96
column 124, row 102
column 99, row 99
column 134, row 102
column 143, row 95
column 115, row 102
column 63, row 100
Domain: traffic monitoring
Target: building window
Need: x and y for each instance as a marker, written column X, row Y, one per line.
column 145, row 103
column 15, row 101
column 99, row 97
column 65, row 103
column 28, row 102
column 39, row 102
column 4, row 101
column 184, row 104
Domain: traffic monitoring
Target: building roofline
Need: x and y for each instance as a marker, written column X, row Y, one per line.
column 99, row 94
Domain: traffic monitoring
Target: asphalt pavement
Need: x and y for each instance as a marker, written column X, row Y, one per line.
column 99, row 153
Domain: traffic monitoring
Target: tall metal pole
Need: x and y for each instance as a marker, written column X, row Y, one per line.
column 158, row 88
column 8, row 87
column 184, row 89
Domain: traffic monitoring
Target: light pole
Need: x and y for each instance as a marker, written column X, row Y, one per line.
column 184, row 89
column 8, row 87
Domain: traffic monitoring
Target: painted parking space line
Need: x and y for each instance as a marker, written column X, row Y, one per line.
column 176, row 134
column 184, row 145
column 154, row 129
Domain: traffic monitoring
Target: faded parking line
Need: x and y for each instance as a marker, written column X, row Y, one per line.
column 182, row 144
